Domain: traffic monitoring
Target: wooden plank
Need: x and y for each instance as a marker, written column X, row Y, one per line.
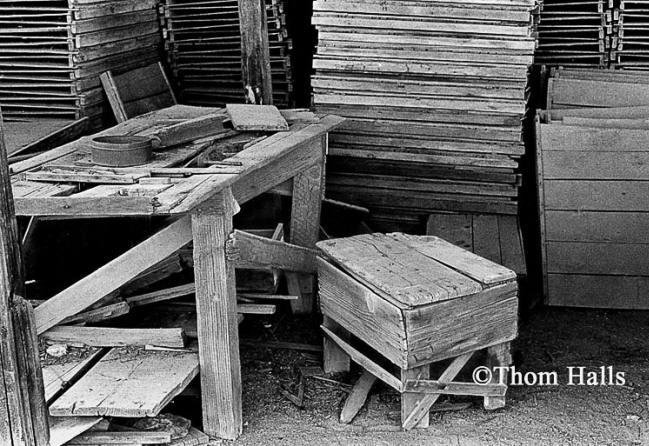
column 252, row 117
column 597, row 258
column 454, row 228
column 217, row 318
column 364, row 361
column 387, row 269
column 255, row 52
column 113, row 275
column 65, row 429
column 590, row 195
column 598, row 291
column 486, row 237
column 512, row 252
column 99, row 314
column 410, row 401
column 472, row 265
column 357, row 397
column 593, row 226
column 121, row 438
column 587, row 93
column 23, row 413
column 116, row 337
column 596, row 165
column 59, row 376
column 128, row 383
column 250, row 251
column 455, row 388
column 193, row 438
column 586, row 139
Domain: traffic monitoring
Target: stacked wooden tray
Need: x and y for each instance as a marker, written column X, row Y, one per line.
column 575, row 33
column 203, row 45
column 434, row 92
column 592, row 165
column 631, row 41
column 51, row 53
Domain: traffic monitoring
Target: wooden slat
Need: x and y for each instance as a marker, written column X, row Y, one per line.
column 116, row 337
column 128, row 383
column 57, row 377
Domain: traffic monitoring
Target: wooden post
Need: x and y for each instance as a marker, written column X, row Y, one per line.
column 255, row 53
column 498, row 356
column 218, row 327
column 308, row 192
column 23, row 415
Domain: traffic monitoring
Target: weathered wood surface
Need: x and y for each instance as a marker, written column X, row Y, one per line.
column 252, row 117
column 116, row 337
column 128, row 383
column 250, row 251
column 121, row 438
column 255, row 52
column 57, row 377
column 37, row 135
column 64, row 429
column 357, row 397
column 23, row 416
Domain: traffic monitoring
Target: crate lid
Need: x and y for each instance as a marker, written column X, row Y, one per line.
column 414, row 270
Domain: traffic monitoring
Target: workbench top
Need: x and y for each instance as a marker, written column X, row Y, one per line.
column 65, row 182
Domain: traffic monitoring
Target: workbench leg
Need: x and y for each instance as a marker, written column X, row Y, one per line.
column 410, row 400
column 308, row 192
column 216, row 307
column 497, row 356
column 334, row 358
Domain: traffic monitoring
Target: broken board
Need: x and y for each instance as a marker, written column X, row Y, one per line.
column 250, row 117
column 129, row 383
column 57, row 376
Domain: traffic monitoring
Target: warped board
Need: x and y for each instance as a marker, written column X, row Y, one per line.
column 64, row 429
column 128, row 383
column 58, row 376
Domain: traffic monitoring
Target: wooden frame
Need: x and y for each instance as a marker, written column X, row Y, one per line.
column 203, row 205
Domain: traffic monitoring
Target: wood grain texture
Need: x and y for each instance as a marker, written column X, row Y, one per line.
column 250, row 251
column 411, row 401
column 253, row 117
column 255, row 52
column 357, row 397
column 57, row 377
column 598, row 291
column 218, row 327
column 116, row 337
column 334, row 359
column 128, row 383
column 114, row 274
column 64, row 429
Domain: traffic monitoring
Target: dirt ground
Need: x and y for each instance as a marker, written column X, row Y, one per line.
column 550, row 340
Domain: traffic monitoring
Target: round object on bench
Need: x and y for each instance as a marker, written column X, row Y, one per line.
column 121, row 151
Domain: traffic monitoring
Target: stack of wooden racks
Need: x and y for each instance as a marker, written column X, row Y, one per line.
column 52, row 53
column 434, row 92
column 203, row 44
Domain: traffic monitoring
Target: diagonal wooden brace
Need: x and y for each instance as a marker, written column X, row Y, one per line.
column 455, row 388
column 424, row 405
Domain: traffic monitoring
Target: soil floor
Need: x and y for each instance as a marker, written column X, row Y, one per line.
column 550, row 340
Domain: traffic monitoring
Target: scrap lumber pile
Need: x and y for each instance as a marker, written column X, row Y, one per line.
column 592, row 165
column 575, row 33
column 51, row 54
column 203, row 45
column 434, row 92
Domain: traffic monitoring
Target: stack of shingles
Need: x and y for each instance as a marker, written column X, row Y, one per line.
column 631, row 35
column 574, row 33
column 434, row 92
column 203, row 44
column 93, row 370
column 52, row 53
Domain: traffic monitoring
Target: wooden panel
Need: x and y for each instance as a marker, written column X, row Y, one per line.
column 454, row 228
column 65, row 429
column 600, row 291
column 597, row 258
column 586, row 93
column 250, row 117
column 486, row 237
column 129, row 383
column 450, row 328
column 386, row 266
column 597, row 195
column 512, row 251
column 57, row 376
column 588, row 226
column 597, row 164
column 364, row 314
column 574, row 138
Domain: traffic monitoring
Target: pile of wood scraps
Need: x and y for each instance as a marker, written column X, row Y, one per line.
column 52, row 55
column 575, row 33
column 434, row 93
column 592, row 171
column 203, row 43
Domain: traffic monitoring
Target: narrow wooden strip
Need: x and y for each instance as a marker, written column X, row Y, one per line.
column 99, row 314
column 454, row 388
column 250, row 250
column 121, row 438
column 57, row 377
column 364, row 361
column 116, row 337
column 357, row 397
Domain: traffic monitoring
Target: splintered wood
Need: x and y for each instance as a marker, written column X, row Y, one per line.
column 592, row 167
column 434, row 93
column 52, row 54
column 153, row 379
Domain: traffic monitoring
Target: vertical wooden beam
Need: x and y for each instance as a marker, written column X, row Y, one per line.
column 334, row 358
column 255, row 53
column 216, row 306
column 23, row 416
column 410, row 401
column 497, row 356
column 308, row 192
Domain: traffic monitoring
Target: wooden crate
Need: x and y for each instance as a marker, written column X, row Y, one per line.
column 416, row 300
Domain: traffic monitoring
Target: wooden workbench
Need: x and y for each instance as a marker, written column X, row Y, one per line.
column 201, row 203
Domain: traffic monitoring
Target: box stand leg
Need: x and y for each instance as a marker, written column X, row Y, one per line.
column 335, row 359
column 497, row 356
column 356, row 399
